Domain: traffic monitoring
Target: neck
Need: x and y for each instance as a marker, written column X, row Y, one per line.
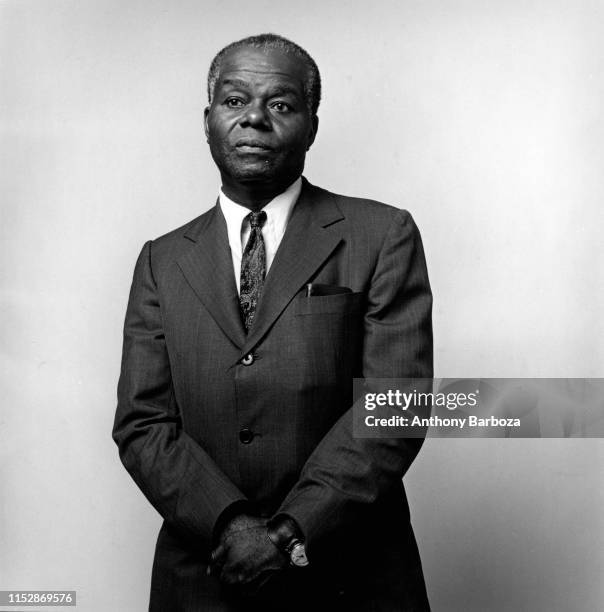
column 254, row 196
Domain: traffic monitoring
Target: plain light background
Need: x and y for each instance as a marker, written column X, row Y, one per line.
column 483, row 118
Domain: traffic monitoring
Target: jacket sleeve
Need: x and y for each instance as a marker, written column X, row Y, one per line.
column 174, row 472
column 345, row 475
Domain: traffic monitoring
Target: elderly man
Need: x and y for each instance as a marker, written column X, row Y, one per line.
column 243, row 333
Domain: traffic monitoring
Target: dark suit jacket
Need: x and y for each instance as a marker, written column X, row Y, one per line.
column 185, row 396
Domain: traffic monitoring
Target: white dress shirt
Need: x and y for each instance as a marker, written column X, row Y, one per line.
column 278, row 211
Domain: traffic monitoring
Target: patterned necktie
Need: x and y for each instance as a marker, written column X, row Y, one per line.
column 253, row 268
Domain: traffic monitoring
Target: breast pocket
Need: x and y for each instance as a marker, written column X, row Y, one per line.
column 324, row 339
column 341, row 303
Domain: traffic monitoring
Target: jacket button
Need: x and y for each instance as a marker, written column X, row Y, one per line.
column 248, row 359
column 246, row 436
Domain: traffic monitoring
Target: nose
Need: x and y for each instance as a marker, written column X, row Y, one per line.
column 255, row 116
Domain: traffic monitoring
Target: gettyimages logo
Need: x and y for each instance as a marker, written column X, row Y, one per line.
column 479, row 408
column 417, row 399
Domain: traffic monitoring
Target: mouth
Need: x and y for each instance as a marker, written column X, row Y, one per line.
column 250, row 145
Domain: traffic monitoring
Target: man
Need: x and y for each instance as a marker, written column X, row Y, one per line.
column 243, row 333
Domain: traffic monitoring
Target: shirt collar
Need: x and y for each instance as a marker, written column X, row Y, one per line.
column 278, row 211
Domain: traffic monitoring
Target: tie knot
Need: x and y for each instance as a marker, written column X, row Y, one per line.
column 257, row 219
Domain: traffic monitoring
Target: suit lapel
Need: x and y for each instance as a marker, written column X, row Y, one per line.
column 312, row 234
column 208, row 267
column 309, row 239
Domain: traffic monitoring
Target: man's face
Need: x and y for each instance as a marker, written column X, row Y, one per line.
column 258, row 125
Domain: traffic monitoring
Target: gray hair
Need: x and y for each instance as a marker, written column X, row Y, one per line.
column 312, row 84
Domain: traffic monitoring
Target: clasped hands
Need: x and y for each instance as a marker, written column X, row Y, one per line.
column 245, row 558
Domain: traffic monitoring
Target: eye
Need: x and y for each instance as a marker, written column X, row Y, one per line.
column 281, row 107
column 234, row 102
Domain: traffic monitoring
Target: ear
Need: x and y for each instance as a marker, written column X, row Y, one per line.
column 206, row 112
column 314, row 122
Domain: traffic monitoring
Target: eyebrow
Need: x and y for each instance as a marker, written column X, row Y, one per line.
column 284, row 89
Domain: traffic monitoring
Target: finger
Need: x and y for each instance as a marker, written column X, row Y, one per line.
column 216, row 560
column 263, row 578
column 231, row 577
column 252, row 587
column 217, row 554
column 213, row 569
column 236, row 572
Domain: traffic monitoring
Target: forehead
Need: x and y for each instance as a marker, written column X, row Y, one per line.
column 259, row 66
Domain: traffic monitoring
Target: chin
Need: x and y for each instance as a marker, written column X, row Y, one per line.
column 254, row 169
column 255, row 172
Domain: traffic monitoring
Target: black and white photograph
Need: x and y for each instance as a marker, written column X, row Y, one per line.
column 302, row 306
